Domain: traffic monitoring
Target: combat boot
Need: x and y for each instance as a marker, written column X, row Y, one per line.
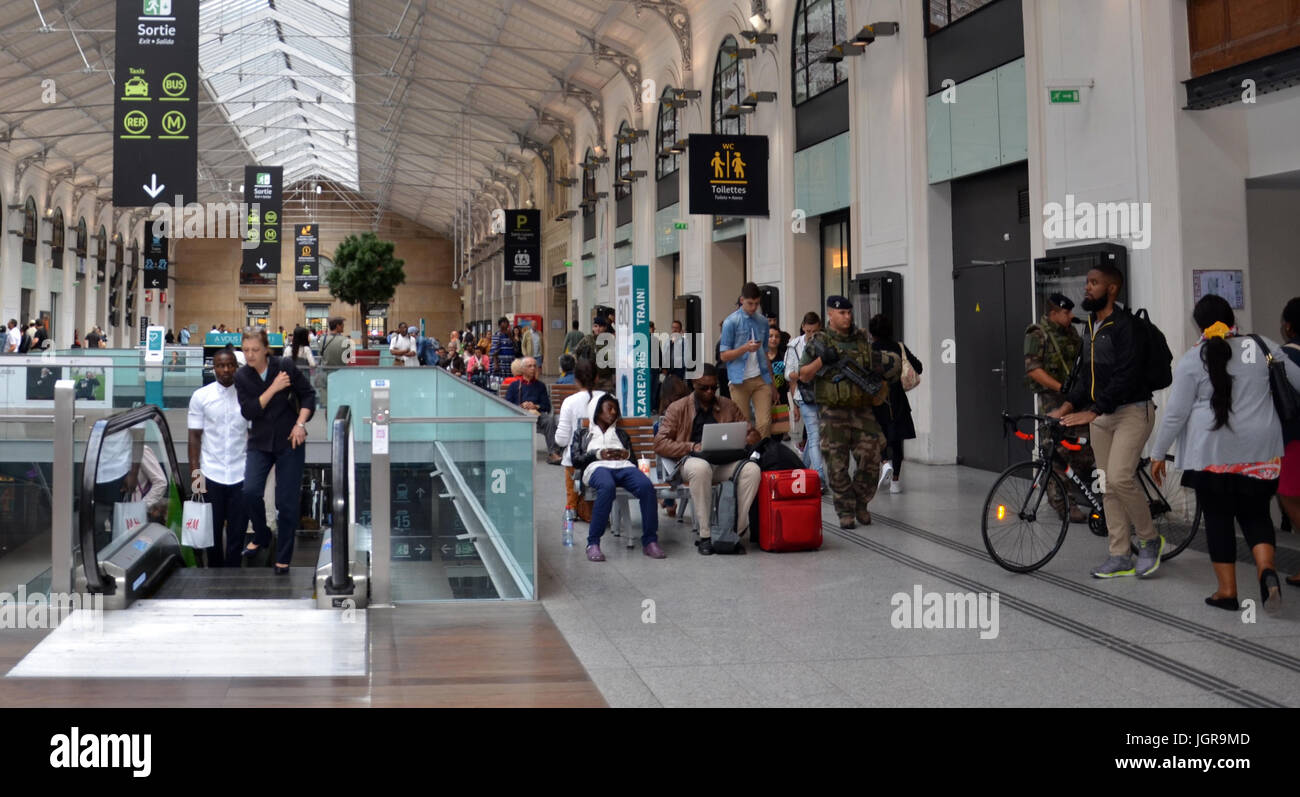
column 848, row 522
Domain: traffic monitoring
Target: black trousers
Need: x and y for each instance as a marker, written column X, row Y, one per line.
column 1251, row 512
column 230, row 516
column 288, row 464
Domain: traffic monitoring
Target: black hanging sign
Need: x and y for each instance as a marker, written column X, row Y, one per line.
column 523, row 249
column 155, row 261
column 728, row 175
column 262, row 186
column 306, row 243
column 155, row 107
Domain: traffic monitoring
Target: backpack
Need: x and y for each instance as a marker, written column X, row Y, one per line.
column 722, row 521
column 1153, row 352
column 908, row 378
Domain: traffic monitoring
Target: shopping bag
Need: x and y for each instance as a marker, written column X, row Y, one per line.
column 781, row 419
column 128, row 517
column 196, row 525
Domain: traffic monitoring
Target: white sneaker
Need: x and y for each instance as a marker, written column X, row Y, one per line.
column 896, row 486
column 886, row 473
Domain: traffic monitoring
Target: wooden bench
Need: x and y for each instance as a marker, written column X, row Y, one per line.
column 641, row 433
column 560, row 392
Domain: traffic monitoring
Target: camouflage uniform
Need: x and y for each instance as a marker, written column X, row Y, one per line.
column 1055, row 350
column 848, row 425
column 588, row 348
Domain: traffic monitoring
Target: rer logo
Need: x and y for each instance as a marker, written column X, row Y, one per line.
column 157, row 8
column 263, row 178
column 135, row 122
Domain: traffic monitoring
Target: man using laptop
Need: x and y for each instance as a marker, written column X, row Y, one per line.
column 681, row 437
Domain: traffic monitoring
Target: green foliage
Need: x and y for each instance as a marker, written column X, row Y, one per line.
column 365, row 271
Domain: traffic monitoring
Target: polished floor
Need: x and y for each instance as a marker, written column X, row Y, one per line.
column 814, row 629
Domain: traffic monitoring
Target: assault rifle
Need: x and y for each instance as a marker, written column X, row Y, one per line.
column 840, row 368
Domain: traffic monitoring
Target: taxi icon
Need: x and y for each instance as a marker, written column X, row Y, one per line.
column 135, row 87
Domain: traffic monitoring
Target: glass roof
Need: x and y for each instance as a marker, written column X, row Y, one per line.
column 282, row 71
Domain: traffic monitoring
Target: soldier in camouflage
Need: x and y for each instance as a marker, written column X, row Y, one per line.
column 848, row 425
column 1051, row 350
column 600, row 350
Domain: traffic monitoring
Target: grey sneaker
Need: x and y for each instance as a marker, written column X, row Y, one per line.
column 1149, row 553
column 1115, row 566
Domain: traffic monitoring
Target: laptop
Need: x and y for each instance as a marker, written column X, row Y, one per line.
column 721, row 443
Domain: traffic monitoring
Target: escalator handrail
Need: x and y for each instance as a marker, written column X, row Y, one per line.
column 340, row 580
column 95, row 579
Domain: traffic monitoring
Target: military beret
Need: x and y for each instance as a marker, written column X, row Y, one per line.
column 601, row 321
column 1061, row 300
column 838, row 303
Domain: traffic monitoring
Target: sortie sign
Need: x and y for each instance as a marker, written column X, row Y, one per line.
column 262, row 186
column 155, row 106
column 728, row 175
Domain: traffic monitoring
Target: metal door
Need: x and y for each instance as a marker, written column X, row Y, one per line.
column 993, row 307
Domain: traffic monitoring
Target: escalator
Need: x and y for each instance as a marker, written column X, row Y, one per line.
column 130, row 516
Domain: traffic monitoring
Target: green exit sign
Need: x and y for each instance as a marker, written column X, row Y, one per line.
column 680, row 225
column 568, row 264
column 1065, row 95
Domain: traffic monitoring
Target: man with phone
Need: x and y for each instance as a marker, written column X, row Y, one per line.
column 743, row 340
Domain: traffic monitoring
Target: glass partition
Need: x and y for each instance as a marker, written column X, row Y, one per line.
column 460, row 484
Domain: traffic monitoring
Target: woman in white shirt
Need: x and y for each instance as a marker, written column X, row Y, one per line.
column 572, row 412
column 606, row 462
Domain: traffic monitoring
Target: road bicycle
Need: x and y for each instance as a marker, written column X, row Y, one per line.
column 1027, row 512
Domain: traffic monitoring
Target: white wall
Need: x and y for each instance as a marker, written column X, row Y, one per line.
column 1274, row 276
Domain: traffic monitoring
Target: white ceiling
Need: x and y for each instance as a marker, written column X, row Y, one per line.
column 407, row 106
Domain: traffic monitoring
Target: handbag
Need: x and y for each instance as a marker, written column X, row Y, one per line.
column 1285, row 399
column 909, row 378
column 128, row 516
column 196, row 523
column 780, row 419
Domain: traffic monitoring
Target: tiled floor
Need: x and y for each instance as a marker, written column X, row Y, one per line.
column 814, row 628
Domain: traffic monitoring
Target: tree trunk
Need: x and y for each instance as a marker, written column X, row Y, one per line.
column 365, row 332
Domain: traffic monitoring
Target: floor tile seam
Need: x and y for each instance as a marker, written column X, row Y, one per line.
column 1130, row 649
column 1204, row 632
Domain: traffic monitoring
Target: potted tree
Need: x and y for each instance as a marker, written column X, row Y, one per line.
column 365, row 273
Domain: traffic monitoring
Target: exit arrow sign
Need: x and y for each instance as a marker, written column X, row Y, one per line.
column 1059, row 96
column 261, row 264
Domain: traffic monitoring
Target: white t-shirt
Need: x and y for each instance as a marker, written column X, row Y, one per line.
column 751, row 362
column 13, row 338
column 404, row 342
column 572, row 411
column 215, row 410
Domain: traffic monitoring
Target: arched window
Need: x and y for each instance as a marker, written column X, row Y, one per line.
column 29, row 231
column 623, row 163
column 101, row 255
column 818, row 26
column 588, row 183
column 57, row 238
column 728, row 89
column 81, row 237
column 667, row 161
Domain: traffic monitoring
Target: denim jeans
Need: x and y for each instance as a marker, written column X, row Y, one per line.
column 605, row 481
column 288, row 493
column 812, row 446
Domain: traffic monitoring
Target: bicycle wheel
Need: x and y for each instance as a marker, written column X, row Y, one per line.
column 1175, row 511
column 1021, row 530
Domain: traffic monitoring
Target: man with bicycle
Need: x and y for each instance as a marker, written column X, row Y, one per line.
column 1108, row 394
column 1051, row 350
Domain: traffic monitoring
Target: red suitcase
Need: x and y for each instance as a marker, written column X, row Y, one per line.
column 790, row 511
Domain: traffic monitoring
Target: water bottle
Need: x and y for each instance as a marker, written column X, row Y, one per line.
column 568, row 527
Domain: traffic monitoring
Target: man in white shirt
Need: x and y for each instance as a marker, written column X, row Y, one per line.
column 13, row 337
column 806, row 411
column 219, row 443
column 403, row 347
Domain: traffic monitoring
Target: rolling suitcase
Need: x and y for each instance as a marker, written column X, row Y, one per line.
column 790, row 511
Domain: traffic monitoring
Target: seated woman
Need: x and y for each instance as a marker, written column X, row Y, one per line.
column 605, row 462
